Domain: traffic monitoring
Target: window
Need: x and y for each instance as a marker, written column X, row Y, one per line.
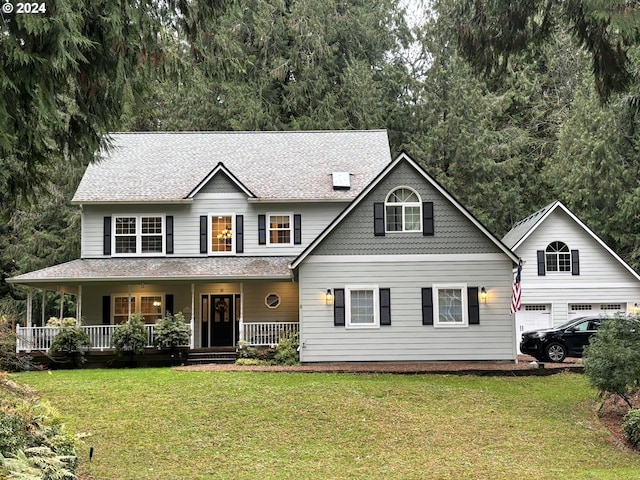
column 403, row 211
column 583, row 307
column 222, row 235
column 558, row 257
column 450, row 306
column 272, row 300
column 535, row 308
column 150, row 306
column 611, row 306
column 280, row 229
column 137, row 234
column 362, row 306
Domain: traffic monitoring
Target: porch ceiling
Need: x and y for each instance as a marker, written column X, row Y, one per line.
column 149, row 269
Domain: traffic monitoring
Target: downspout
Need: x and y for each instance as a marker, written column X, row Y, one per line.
column 79, row 306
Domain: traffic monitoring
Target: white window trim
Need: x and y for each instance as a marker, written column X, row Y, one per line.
column 210, row 233
column 267, row 303
column 138, row 303
column 268, row 229
column 436, row 306
column 138, row 217
column 403, row 205
column 557, row 258
column 376, row 307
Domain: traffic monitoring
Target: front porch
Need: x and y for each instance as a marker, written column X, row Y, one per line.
column 256, row 334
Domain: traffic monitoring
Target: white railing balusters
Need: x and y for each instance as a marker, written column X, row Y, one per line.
column 268, row 333
column 40, row 338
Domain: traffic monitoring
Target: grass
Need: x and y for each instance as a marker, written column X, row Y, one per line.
column 169, row 424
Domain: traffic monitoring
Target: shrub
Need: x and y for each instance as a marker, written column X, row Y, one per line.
column 61, row 322
column 612, row 358
column 287, row 351
column 631, row 427
column 130, row 337
column 172, row 331
column 10, row 361
column 71, row 343
column 33, row 443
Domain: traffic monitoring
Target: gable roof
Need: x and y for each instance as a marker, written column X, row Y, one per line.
column 525, row 227
column 403, row 157
column 171, row 166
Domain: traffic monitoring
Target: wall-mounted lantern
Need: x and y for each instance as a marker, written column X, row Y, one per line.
column 483, row 295
column 329, row 297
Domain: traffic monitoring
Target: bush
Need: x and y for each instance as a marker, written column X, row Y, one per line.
column 172, row 331
column 612, row 358
column 631, row 427
column 130, row 337
column 33, row 443
column 10, row 361
column 71, row 343
column 287, row 351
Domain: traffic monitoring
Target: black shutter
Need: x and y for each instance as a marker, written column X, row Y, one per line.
column 338, row 307
column 169, row 234
column 385, row 306
column 427, row 306
column 106, row 310
column 106, row 240
column 378, row 219
column 473, row 306
column 575, row 262
column 541, row 265
column 427, row 219
column 297, row 229
column 239, row 234
column 203, row 234
column 168, row 304
column 262, row 229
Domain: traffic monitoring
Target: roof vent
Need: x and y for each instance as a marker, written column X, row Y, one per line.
column 341, row 180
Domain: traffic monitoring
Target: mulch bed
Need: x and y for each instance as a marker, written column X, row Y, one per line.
column 522, row 367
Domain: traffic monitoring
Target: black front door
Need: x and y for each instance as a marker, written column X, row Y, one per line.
column 219, row 325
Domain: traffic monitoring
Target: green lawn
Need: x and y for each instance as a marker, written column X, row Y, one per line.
column 168, row 424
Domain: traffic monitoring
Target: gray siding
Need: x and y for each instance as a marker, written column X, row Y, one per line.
column 315, row 218
column 454, row 233
column 221, row 183
column 406, row 339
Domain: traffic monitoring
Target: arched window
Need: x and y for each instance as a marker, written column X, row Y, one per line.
column 558, row 257
column 403, row 211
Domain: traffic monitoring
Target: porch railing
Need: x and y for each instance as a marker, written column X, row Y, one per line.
column 268, row 333
column 40, row 338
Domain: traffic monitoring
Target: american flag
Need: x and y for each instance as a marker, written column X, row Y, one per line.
column 515, row 296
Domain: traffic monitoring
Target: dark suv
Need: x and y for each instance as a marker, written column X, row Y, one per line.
column 567, row 340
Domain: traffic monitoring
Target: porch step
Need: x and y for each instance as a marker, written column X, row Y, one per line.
column 197, row 358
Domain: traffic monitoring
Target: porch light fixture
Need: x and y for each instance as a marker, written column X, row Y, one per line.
column 483, row 295
column 329, row 297
column 635, row 308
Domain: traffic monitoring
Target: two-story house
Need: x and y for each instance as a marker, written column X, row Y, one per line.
column 254, row 235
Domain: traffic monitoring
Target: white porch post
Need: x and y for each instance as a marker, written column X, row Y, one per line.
column 192, row 344
column 44, row 301
column 61, row 304
column 241, row 322
column 129, row 302
column 79, row 305
column 29, row 306
column 29, row 319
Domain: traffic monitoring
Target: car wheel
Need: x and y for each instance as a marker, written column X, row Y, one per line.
column 556, row 352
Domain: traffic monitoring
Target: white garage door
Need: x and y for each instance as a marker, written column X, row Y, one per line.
column 599, row 309
column 532, row 317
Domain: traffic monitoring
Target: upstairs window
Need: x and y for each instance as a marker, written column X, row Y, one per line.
column 280, row 229
column 138, row 235
column 222, row 235
column 403, row 211
column 558, row 257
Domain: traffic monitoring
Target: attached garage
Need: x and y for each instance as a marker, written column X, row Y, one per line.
column 576, row 310
column 532, row 317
